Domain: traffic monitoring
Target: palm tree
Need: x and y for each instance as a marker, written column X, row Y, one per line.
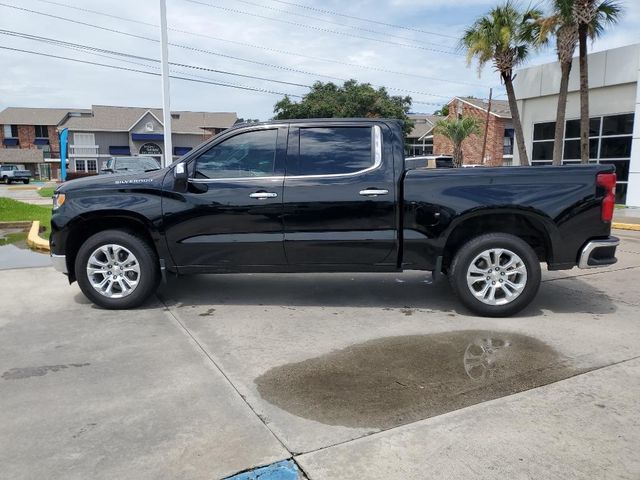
column 591, row 17
column 457, row 130
column 563, row 25
column 504, row 36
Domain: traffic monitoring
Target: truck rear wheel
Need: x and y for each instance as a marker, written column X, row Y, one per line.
column 495, row 275
column 117, row 270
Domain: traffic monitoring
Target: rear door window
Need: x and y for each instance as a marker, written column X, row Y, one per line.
column 333, row 150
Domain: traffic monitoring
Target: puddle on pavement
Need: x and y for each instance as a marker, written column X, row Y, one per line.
column 396, row 380
column 15, row 253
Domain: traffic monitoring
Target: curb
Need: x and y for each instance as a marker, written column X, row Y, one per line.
column 626, row 226
column 36, row 241
column 19, row 224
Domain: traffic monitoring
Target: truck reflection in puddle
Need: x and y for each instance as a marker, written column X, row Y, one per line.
column 391, row 381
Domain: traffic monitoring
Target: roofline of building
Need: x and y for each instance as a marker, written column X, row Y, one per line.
column 142, row 116
column 478, row 107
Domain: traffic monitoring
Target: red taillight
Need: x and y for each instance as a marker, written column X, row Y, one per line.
column 608, row 182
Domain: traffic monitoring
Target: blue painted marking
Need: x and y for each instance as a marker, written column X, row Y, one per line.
column 284, row 470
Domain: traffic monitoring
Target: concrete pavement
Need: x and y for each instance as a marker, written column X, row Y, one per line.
column 352, row 376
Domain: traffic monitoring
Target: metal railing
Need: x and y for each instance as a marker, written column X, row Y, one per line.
column 83, row 150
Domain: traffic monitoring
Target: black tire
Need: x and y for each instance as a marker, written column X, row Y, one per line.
column 5, row 179
column 149, row 276
column 470, row 251
column 26, row 182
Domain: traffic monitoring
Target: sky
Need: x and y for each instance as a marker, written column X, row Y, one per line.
column 272, row 39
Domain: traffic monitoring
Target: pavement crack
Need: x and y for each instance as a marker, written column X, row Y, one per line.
column 219, row 369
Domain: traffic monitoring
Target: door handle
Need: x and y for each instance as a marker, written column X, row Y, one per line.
column 263, row 195
column 373, row 192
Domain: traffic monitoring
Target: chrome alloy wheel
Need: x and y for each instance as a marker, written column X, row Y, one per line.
column 497, row 276
column 113, row 271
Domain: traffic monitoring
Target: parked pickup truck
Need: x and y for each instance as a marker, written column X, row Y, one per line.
column 331, row 196
column 14, row 173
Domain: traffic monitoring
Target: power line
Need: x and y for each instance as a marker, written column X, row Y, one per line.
column 175, row 77
column 320, row 29
column 195, row 49
column 106, row 53
column 122, row 54
column 269, row 49
column 135, row 70
column 362, row 19
column 333, row 22
column 196, row 67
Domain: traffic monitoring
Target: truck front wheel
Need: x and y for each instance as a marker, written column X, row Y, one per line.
column 117, row 270
column 495, row 275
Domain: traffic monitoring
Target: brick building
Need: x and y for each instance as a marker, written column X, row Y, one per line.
column 500, row 137
column 33, row 129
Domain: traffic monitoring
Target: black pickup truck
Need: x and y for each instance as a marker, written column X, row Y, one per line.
column 331, row 196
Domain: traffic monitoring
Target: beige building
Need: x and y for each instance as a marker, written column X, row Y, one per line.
column 135, row 131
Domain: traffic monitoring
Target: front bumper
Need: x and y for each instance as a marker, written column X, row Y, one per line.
column 599, row 253
column 59, row 262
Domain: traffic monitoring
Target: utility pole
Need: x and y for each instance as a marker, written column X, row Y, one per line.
column 166, row 101
column 486, row 127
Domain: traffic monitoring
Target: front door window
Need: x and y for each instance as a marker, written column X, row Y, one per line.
column 249, row 154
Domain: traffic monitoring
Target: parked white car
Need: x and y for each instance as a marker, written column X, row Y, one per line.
column 14, row 173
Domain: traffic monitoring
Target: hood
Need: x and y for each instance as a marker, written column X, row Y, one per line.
column 113, row 181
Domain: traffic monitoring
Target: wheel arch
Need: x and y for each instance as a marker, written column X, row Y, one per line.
column 537, row 230
column 90, row 224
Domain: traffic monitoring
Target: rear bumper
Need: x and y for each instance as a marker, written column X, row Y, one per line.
column 599, row 253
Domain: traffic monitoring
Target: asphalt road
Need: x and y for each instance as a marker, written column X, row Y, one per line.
column 351, row 376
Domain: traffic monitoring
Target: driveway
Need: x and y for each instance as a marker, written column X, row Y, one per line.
column 348, row 375
column 25, row 193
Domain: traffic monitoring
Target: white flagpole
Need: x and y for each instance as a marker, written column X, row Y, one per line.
column 166, row 103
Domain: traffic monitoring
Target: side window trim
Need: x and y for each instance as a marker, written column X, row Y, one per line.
column 376, row 133
column 281, row 131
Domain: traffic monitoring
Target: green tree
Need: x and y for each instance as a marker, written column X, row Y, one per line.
column 353, row 99
column 442, row 111
column 591, row 16
column 563, row 23
column 504, row 36
column 458, row 130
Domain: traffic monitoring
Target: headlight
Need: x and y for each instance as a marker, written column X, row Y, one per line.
column 58, row 200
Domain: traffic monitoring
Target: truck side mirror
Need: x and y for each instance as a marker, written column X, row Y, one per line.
column 181, row 176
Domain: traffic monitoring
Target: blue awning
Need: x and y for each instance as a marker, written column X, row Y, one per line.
column 119, row 150
column 41, row 141
column 181, row 150
column 143, row 137
column 10, row 142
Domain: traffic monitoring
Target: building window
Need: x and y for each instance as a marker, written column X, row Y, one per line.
column 46, row 150
column 415, row 148
column 507, row 143
column 610, row 140
column 10, row 131
column 92, row 166
column 42, row 131
column 81, row 165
